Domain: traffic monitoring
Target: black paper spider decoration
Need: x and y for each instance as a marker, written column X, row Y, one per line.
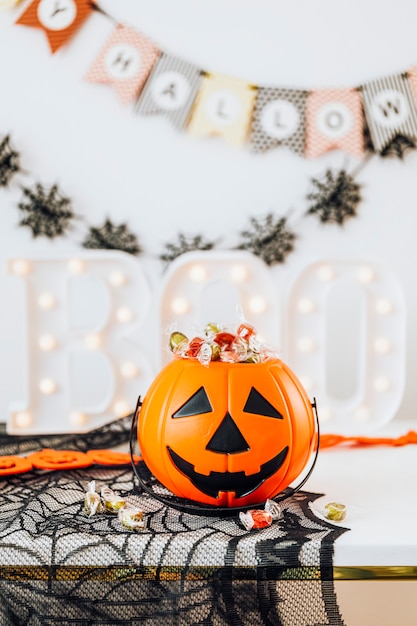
column 269, row 239
column 111, row 237
column 335, row 198
column 47, row 213
column 185, row 244
column 9, row 161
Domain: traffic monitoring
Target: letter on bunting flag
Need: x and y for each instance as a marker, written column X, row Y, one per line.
column 124, row 62
column 278, row 119
column 60, row 19
column 223, row 107
column 389, row 110
column 170, row 89
column 334, row 121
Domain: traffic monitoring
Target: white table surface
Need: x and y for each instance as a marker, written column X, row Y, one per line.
column 378, row 485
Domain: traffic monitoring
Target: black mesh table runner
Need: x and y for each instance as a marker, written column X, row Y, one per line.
column 59, row 566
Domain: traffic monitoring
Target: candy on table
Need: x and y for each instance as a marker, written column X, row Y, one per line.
column 131, row 517
column 335, row 511
column 111, row 501
column 92, row 502
column 260, row 518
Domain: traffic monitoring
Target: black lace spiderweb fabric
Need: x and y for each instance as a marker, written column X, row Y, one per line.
column 60, row 567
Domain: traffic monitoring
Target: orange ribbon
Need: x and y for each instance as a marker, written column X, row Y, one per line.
column 329, row 441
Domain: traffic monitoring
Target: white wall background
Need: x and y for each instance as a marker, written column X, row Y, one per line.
column 140, row 170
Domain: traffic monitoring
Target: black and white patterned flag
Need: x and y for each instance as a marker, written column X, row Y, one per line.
column 170, row 90
column 390, row 110
column 279, row 119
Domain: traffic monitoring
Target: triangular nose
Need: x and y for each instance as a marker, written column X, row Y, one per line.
column 227, row 439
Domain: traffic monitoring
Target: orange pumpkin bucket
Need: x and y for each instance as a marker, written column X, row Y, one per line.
column 226, row 434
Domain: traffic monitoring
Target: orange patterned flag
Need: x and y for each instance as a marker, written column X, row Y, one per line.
column 60, row 19
column 334, row 121
column 124, row 62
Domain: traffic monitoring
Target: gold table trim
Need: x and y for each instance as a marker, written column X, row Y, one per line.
column 120, row 572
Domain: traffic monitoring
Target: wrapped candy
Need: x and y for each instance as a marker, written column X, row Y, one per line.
column 112, row 502
column 92, row 502
column 131, row 517
column 217, row 343
column 178, row 342
column 260, row 518
column 335, row 511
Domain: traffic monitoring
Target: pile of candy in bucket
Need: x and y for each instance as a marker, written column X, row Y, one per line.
column 220, row 343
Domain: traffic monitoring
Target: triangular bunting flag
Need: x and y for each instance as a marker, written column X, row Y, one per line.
column 389, row 110
column 278, row 119
column 124, row 62
column 223, row 107
column 170, row 89
column 60, row 19
column 334, row 122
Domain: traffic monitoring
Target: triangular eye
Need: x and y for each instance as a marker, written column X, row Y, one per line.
column 257, row 404
column 197, row 404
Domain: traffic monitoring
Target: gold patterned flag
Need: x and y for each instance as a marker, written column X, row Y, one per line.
column 124, row 62
column 334, row 122
column 223, row 107
column 60, row 19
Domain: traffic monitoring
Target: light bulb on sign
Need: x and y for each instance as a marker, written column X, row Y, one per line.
column 46, row 301
column 383, row 306
column 122, row 408
column 124, row 314
column 238, row 273
column 382, row 345
column 180, row 306
column 47, row 386
column 23, row 419
column 117, row 279
column 75, row 266
column 366, row 274
column 257, row 304
column 93, row 341
column 129, row 370
column 21, row 267
column 305, row 305
column 198, row 273
column 325, row 273
column 47, row 343
column 77, row 419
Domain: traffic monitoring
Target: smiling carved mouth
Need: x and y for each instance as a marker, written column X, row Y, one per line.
column 236, row 482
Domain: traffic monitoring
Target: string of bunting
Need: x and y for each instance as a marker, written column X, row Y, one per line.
column 204, row 103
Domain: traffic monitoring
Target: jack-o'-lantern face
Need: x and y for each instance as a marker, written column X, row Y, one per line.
column 226, row 434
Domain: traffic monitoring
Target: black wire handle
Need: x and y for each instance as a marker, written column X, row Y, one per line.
column 190, row 506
